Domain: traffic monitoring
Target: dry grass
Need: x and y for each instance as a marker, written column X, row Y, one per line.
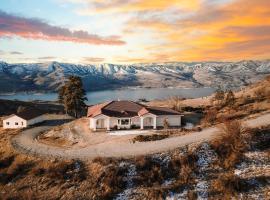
column 227, row 184
column 231, row 144
column 210, row 117
column 28, row 177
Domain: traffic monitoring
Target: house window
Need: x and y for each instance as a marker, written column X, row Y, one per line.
column 16, row 123
column 124, row 121
column 22, row 123
column 7, row 123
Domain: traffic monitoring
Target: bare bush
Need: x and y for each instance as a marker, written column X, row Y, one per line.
column 147, row 138
column 210, row 117
column 231, row 145
column 176, row 103
column 67, row 170
column 227, row 184
column 166, row 124
column 219, row 97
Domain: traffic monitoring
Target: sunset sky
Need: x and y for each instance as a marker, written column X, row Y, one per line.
column 134, row 31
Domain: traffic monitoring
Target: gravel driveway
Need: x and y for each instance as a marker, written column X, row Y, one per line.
column 25, row 142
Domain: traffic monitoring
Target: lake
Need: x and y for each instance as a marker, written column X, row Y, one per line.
column 123, row 94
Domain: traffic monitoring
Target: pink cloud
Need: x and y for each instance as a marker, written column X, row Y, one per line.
column 11, row 25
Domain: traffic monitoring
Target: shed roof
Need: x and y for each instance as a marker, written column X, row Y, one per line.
column 27, row 114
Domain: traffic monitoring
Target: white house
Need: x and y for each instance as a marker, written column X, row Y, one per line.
column 128, row 114
column 23, row 119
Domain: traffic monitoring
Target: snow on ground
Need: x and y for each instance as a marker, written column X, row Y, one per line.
column 189, row 125
column 163, row 159
column 256, row 164
column 206, row 156
column 128, row 132
column 178, row 196
column 129, row 181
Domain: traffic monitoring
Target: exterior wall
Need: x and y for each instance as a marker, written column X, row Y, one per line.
column 93, row 122
column 174, row 120
column 12, row 120
column 136, row 121
column 148, row 121
column 113, row 122
column 36, row 120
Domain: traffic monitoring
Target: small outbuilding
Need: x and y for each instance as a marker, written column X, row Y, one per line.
column 24, row 119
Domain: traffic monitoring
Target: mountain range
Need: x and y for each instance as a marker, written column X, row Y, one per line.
column 46, row 77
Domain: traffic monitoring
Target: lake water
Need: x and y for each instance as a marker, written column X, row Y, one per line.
column 123, row 94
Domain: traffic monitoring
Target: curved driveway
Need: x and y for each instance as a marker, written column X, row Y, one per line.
column 25, row 142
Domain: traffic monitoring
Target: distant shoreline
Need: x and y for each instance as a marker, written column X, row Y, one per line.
column 101, row 90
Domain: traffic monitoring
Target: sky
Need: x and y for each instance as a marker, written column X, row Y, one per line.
column 133, row 31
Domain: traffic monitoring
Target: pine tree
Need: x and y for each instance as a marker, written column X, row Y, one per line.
column 72, row 96
column 219, row 96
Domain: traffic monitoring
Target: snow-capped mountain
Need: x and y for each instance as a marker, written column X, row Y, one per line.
column 50, row 76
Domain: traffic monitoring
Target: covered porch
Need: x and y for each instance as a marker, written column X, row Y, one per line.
column 108, row 123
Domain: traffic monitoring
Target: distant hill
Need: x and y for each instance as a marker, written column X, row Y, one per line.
column 50, row 76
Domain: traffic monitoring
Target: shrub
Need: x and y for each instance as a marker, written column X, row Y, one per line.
column 103, row 161
column 149, row 172
column 166, row 124
column 133, row 126
column 210, row 116
column 6, row 162
column 64, row 170
column 231, row 144
column 230, row 98
column 219, row 97
column 147, row 138
column 227, row 184
column 15, row 171
column 175, row 103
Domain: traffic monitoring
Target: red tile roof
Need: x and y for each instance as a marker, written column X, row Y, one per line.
column 96, row 109
column 127, row 109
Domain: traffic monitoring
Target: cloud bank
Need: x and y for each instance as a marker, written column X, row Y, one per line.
column 31, row 28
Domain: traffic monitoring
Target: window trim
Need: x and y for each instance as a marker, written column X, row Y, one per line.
column 120, row 120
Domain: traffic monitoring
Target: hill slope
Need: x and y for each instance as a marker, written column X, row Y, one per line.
column 50, row 76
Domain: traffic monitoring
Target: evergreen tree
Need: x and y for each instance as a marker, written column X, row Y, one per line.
column 219, row 96
column 72, row 96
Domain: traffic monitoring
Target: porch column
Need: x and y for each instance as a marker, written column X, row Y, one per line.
column 155, row 122
column 108, row 124
column 94, row 125
column 141, row 122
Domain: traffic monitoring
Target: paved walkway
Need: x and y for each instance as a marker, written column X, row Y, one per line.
column 26, row 143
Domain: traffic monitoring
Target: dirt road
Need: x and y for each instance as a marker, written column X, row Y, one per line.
column 25, row 142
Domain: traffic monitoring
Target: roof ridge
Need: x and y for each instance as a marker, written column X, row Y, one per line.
column 106, row 104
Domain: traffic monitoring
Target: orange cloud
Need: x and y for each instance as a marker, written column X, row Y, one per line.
column 236, row 30
column 124, row 6
column 11, row 25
